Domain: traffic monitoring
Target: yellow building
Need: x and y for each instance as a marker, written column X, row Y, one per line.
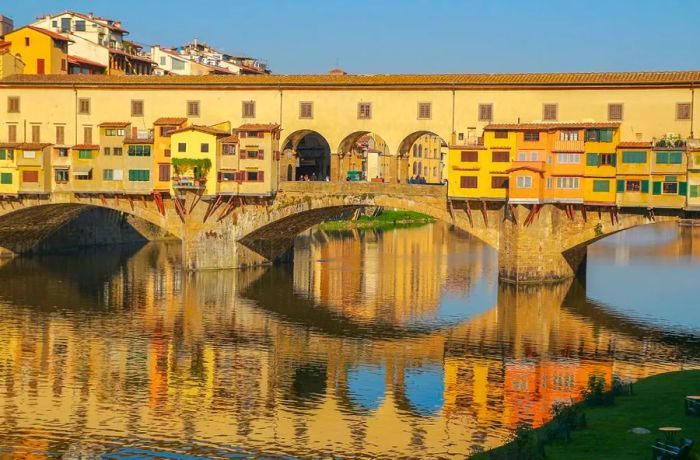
column 83, row 168
column 633, row 170
column 600, row 151
column 9, row 180
column 162, row 150
column 42, row 51
column 111, row 162
column 693, row 175
column 426, row 159
column 140, row 168
column 669, row 183
column 195, row 155
column 479, row 170
column 259, row 158
column 9, row 63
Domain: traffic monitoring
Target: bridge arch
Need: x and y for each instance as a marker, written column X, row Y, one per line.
column 24, row 224
column 368, row 152
column 423, row 154
column 305, row 153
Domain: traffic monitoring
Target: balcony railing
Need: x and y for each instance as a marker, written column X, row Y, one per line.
column 568, row 146
column 188, row 182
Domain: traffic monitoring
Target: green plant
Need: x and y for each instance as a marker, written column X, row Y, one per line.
column 200, row 166
column 596, row 394
column 566, row 418
column 598, row 229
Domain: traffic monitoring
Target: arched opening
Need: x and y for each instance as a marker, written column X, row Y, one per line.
column 308, row 154
column 423, row 158
column 365, row 156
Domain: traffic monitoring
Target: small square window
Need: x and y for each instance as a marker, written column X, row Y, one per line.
column 204, row 148
column 248, row 109
column 550, row 112
column 500, row 134
column 485, row 112
column 364, row 110
column 136, row 108
column 182, row 147
column 306, row 110
column 425, row 110
column 84, row 106
column 683, row 110
column 13, row 104
column 192, row 108
column 615, row 112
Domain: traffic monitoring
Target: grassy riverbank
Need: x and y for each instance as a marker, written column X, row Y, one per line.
column 657, row 401
column 386, row 219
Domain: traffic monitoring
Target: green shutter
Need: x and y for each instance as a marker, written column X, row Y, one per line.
column 5, row 178
column 645, row 186
column 683, row 188
column 633, row 156
column 601, row 186
column 693, row 191
column 676, row 158
column 661, row 158
column 592, row 159
column 606, row 135
column 656, row 188
column 620, row 185
column 613, row 161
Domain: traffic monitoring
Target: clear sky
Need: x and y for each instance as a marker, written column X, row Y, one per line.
column 414, row 36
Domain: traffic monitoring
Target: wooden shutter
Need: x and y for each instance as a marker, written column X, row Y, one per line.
column 261, row 176
column 244, row 154
column 656, row 188
column 592, row 159
column 645, row 186
column 261, row 154
column 30, row 176
column 620, row 185
column 683, row 188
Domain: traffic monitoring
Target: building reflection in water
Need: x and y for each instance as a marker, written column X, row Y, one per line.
column 358, row 350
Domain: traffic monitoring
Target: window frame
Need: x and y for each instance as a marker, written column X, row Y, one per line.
column 13, row 104
column 193, row 109
column 248, row 114
column 482, row 106
column 428, row 115
column 306, row 105
column 362, row 114
column 84, row 106
column 689, row 106
column 550, row 105
column 612, row 105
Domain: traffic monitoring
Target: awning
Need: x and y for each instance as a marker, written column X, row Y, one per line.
column 82, row 171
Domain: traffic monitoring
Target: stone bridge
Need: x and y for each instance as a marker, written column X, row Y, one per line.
column 536, row 243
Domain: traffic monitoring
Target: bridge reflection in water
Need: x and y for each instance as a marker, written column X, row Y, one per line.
column 372, row 344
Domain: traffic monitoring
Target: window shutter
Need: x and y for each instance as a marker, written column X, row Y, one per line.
column 676, row 158
column 620, row 185
column 241, row 176
column 219, row 176
column 645, row 186
column 261, row 154
column 261, row 176
column 242, row 134
column 613, row 159
column 661, row 158
column 693, row 191
column 592, row 159
column 244, row 154
column 683, row 188
column 656, row 188
column 261, row 134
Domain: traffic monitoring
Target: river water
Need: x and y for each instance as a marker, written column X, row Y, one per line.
column 373, row 344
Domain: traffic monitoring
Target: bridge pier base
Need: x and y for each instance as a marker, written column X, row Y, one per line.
column 533, row 249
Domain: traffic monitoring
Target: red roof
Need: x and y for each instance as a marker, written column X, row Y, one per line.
column 54, row 35
column 170, row 121
column 258, row 127
column 232, row 139
column 639, row 145
column 136, row 140
column 114, row 124
column 86, row 147
column 79, row 60
column 546, row 126
column 23, row 145
column 203, row 129
column 525, row 167
column 96, row 19
column 133, row 56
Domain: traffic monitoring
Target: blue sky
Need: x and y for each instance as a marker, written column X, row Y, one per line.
column 414, row 36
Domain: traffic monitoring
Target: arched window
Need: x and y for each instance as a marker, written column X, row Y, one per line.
column 415, row 150
column 420, row 151
column 415, row 168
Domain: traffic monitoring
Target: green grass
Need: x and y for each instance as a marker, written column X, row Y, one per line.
column 386, row 220
column 658, row 401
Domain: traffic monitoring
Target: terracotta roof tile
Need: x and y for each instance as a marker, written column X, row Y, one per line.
column 114, row 124
column 546, row 126
column 640, row 145
column 130, row 55
column 436, row 80
column 202, row 129
column 86, row 147
column 136, row 140
column 170, row 121
column 232, row 139
column 79, row 60
column 24, row 145
column 50, row 33
column 258, row 127
column 524, row 167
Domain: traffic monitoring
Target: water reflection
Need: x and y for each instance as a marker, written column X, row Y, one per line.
column 395, row 344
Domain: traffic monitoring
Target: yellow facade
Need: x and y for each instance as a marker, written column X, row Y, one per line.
column 693, row 178
column 9, row 63
column 259, row 158
column 669, row 183
column 41, row 51
column 195, row 158
column 9, row 179
column 599, row 186
column 426, row 159
column 487, row 177
column 162, row 150
column 633, row 170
